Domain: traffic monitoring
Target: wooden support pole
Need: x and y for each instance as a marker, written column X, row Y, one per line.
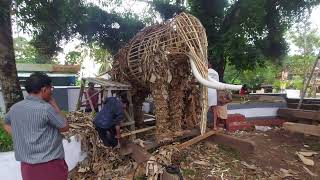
column 79, row 103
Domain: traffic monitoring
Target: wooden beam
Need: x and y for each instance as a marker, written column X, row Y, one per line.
column 302, row 128
column 127, row 124
column 137, row 131
column 241, row 145
column 195, row 140
column 298, row 113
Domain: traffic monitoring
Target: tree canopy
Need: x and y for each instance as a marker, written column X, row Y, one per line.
column 243, row 33
column 50, row 22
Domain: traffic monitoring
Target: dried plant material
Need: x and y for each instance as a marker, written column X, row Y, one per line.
column 285, row 173
column 309, row 172
column 305, row 160
column 203, row 163
column 308, row 153
column 139, row 142
column 252, row 167
column 157, row 162
column 101, row 162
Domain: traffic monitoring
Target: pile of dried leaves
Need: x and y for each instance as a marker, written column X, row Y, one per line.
column 209, row 161
column 101, row 162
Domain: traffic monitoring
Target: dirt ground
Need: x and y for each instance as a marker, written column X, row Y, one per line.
column 274, row 158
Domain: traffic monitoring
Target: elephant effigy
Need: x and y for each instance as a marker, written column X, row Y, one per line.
column 169, row 61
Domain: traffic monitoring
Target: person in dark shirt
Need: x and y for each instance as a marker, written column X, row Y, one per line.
column 107, row 122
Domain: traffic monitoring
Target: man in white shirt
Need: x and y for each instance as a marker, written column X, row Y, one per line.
column 212, row 99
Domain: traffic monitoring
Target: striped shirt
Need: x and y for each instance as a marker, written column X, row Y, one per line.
column 35, row 131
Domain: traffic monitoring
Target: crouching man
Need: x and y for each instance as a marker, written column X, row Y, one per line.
column 35, row 124
column 107, row 122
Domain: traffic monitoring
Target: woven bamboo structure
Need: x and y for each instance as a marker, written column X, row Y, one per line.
column 156, row 62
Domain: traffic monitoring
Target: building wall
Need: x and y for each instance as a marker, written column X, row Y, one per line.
column 66, row 97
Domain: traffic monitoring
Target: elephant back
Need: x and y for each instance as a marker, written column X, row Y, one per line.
column 145, row 57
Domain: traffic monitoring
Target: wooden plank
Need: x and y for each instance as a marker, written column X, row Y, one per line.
column 127, row 124
column 195, row 140
column 302, row 128
column 298, row 113
column 138, row 131
column 314, row 107
column 241, row 145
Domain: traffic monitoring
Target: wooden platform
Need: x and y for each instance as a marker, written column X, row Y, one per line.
column 193, row 137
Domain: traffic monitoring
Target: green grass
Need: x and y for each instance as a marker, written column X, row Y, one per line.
column 5, row 139
column 230, row 151
column 188, row 172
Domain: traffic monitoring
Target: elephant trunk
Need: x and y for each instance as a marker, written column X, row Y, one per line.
column 211, row 83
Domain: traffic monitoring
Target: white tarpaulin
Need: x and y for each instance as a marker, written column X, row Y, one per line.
column 10, row 168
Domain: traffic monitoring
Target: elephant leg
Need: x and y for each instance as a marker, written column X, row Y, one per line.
column 176, row 103
column 159, row 91
column 191, row 109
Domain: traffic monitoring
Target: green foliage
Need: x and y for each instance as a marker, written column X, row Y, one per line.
column 244, row 33
column 25, row 52
column 296, row 82
column 50, row 22
column 299, row 64
column 110, row 30
column 168, row 8
column 5, row 139
column 73, row 57
column 263, row 74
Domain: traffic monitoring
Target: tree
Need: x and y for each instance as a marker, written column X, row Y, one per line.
column 25, row 52
column 53, row 21
column 10, row 86
column 100, row 56
column 307, row 40
column 243, row 33
column 262, row 74
column 73, row 57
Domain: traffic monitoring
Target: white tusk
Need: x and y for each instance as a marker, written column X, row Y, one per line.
column 212, row 83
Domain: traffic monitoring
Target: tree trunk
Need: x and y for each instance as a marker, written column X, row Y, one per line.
column 218, row 64
column 10, row 86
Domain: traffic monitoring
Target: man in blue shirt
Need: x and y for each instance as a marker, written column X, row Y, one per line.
column 107, row 122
